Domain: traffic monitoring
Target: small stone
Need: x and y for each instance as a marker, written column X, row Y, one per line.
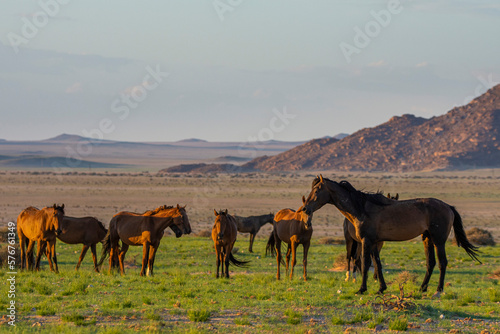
column 441, row 316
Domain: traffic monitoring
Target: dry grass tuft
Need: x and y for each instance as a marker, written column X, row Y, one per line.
column 406, row 276
column 204, row 234
column 340, row 262
column 480, row 236
column 331, row 241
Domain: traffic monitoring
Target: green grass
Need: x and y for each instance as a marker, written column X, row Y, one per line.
column 184, row 296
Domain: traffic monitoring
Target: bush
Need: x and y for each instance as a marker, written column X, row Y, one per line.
column 331, row 241
column 481, row 237
column 399, row 324
column 199, row 315
column 293, row 317
column 204, row 234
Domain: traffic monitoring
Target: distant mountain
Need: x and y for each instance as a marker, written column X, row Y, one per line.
column 465, row 137
column 205, row 168
column 192, row 140
column 60, row 163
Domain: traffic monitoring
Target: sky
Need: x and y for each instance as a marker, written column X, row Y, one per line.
column 237, row 70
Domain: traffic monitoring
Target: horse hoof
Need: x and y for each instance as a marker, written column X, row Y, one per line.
column 437, row 295
column 361, row 291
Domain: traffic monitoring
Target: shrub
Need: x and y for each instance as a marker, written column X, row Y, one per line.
column 198, row 315
column 204, row 234
column 331, row 241
column 481, row 237
column 399, row 324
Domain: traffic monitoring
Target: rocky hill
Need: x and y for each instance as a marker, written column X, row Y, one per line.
column 464, row 137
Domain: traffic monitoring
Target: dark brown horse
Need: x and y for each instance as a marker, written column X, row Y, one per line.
column 85, row 230
column 40, row 226
column 377, row 218
column 353, row 251
column 224, row 236
column 294, row 228
column 142, row 229
column 252, row 225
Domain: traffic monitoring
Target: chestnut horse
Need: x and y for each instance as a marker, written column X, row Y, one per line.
column 377, row 218
column 353, row 251
column 293, row 228
column 87, row 231
column 252, row 225
column 142, row 229
column 40, row 226
column 224, row 236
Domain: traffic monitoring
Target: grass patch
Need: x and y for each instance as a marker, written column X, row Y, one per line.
column 293, row 317
column 199, row 315
column 398, row 324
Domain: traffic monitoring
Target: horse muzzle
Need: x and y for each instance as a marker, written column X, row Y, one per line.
column 178, row 233
column 58, row 232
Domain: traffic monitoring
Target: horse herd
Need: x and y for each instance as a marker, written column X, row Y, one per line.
column 370, row 220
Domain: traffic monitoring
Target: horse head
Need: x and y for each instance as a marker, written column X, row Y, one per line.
column 319, row 195
column 57, row 218
column 220, row 223
column 185, row 220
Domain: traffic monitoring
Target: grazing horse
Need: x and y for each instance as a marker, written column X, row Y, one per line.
column 293, row 228
column 224, row 236
column 142, row 229
column 87, row 231
column 252, row 225
column 353, row 251
column 40, row 226
column 377, row 218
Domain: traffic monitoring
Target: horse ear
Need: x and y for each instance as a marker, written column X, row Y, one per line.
column 62, row 206
column 55, row 206
column 321, row 178
column 397, row 197
column 184, row 206
column 388, row 195
column 226, row 211
column 178, row 207
column 303, row 200
column 215, row 213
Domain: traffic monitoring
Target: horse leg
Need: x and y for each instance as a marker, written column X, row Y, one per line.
column 365, row 263
column 94, row 257
column 431, row 260
column 348, row 245
column 443, row 262
column 378, row 270
column 288, row 252
column 46, row 250
column 304, row 261
column 145, row 257
column 152, row 254
column 121, row 257
column 112, row 252
column 29, row 255
column 278, row 254
column 22, row 245
column 218, row 259
column 252, row 237
column 52, row 245
column 39, row 250
column 294, row 256
column 82, row 255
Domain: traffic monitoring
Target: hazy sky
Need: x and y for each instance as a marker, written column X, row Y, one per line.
column 223, row 70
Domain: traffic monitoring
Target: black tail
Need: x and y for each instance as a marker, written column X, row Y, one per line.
column 237, row 263
column 270, row 247
column 106, row 247
column 461, row 237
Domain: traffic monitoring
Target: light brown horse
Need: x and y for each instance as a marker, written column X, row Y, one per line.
column 293, row 228
column 224, row 236
column 142, row 229
column 40, row 226
column 85, row 230
column 353, row 255
column 252, row 225
column 377, row 218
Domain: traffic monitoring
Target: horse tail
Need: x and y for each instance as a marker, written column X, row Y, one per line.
column 106, row 248
column 461, row 237
column 270, row 247
column 236, row 262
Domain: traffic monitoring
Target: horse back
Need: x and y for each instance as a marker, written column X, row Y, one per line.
column 86, row 230
column 286, row 226
column 405, row 220
column 31, row 223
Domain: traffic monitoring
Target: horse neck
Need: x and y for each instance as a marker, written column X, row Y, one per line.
column 344, row 204
column 162, row 223
column 263, row 220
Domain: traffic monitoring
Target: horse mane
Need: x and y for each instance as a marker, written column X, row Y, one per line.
column 359, row 198
column 100, row 224
column 158, row 209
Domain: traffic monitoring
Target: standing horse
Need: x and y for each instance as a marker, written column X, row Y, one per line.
column 146, row 230
column 224, row 236
column 353, row 251
column 377, row 218
column 87, row 231
column 40, row 226
column 293, row 228
column 252, row 225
